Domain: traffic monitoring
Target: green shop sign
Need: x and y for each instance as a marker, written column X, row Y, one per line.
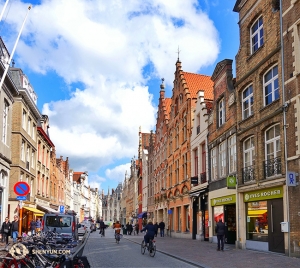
column 228, row 199
column 231, row 182
column 264, row 194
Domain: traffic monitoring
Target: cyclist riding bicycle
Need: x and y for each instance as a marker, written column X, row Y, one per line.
column 150, row 228
column 117, row 226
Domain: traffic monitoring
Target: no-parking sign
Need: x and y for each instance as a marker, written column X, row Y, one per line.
column 21, row 188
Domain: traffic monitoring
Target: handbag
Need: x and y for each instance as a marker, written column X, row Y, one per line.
column 6, row 230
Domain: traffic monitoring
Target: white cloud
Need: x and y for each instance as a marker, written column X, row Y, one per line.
column 106, row 46
column 118, row 172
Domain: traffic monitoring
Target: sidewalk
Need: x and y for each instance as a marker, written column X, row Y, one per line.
column 204, row 254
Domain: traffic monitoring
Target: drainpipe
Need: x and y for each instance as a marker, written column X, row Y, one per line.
column 285, row 105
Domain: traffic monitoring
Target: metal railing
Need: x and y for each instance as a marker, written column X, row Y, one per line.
column 248, row 174
column 272, row 167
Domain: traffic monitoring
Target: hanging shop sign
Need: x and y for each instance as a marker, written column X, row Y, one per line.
column 264, row 194
column 224, row 200
column 231, row 182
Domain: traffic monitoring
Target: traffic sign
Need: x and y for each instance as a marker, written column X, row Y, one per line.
column 21, row 188
column 61, row 209
column 21, row 197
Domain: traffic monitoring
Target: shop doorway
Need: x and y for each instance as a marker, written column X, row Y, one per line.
column 230, row 223
column 275, row 217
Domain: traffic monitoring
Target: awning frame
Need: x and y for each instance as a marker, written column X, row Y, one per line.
column 35, row 210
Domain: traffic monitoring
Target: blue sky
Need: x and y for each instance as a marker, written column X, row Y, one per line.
column 96, row 67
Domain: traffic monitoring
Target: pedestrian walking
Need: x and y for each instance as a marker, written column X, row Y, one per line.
column 156, row 228
column 137, row 228
column 5, row 230
column 32, row 226
column 220, row 230
column 15, row 228
column 129, row 228
column 102, row 227
column 38, row 226
column 162, row 228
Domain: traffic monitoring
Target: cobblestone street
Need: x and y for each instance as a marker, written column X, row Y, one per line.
column 198, row 253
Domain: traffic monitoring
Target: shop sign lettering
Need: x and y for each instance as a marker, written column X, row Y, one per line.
column 265, row 194
column 230, row 199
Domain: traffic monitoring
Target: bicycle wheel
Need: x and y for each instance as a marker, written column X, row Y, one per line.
column 143, row 247
column 152, row 250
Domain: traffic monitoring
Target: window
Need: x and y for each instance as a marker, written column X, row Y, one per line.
column 273, row 154
column 33, row 131
column 214, row 173
column 249, row 152
column 203, row 167
column 247, row 102
column 23, row 150
column 27, row 157
column 196, row 162
column 273, row 142
column 221, row 106
column 271, row 88
column 257, row 35
column 31, row 187
column 222, row 159
column 177, row 171
column 5, row 118
column 232, row 154
column 29, row 126
column 24, row 119
column 257, row 223
column 32, row 159
column 184, row 128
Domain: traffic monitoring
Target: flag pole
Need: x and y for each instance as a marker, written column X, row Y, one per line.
column 5, row 5
column 13, row 51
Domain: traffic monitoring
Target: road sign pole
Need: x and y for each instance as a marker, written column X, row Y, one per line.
column 20, row 219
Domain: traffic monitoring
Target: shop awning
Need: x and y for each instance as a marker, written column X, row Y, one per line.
column 197, row 193
column 48, row 209
column 35, row 211
column 142, row 215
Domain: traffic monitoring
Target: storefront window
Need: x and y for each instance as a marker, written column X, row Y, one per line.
column 218, row 214
column 187, row 218
column 257, row 221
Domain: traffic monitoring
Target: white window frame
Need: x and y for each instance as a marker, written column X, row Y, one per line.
column 222, row 159
column 259, row 33
column 249, row 152
column 273, row 143
column 247, row 102
column 24, row 119
column 274, row 83
column 214, row 170
column 5, row 121
column 232, row 153
column 221, row 106
column 33, row 131
column 29, row 126
column 23, row 151
column 32, row 158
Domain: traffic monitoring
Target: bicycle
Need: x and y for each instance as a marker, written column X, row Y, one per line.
column 151, row 248
column 118, row 236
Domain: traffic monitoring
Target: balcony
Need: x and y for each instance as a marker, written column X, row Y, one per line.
column 203, row 178
column 272, row 167
column 248, row 174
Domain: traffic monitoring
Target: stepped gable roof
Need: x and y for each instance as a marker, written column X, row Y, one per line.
column 196, row 82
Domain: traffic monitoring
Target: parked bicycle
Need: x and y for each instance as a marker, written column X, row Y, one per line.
column 151, row 248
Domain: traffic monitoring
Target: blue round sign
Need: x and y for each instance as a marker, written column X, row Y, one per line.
column 21, row 188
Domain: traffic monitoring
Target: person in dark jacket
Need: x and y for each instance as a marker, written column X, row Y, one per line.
column 150, row 232
column 32, row 226
column 5, row 230
column 220, row 230
column 156, row 228
column 102, row 227
column 162, row 228
column 15, row 228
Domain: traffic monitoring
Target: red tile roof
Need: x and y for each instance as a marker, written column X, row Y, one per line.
column 196, row 82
